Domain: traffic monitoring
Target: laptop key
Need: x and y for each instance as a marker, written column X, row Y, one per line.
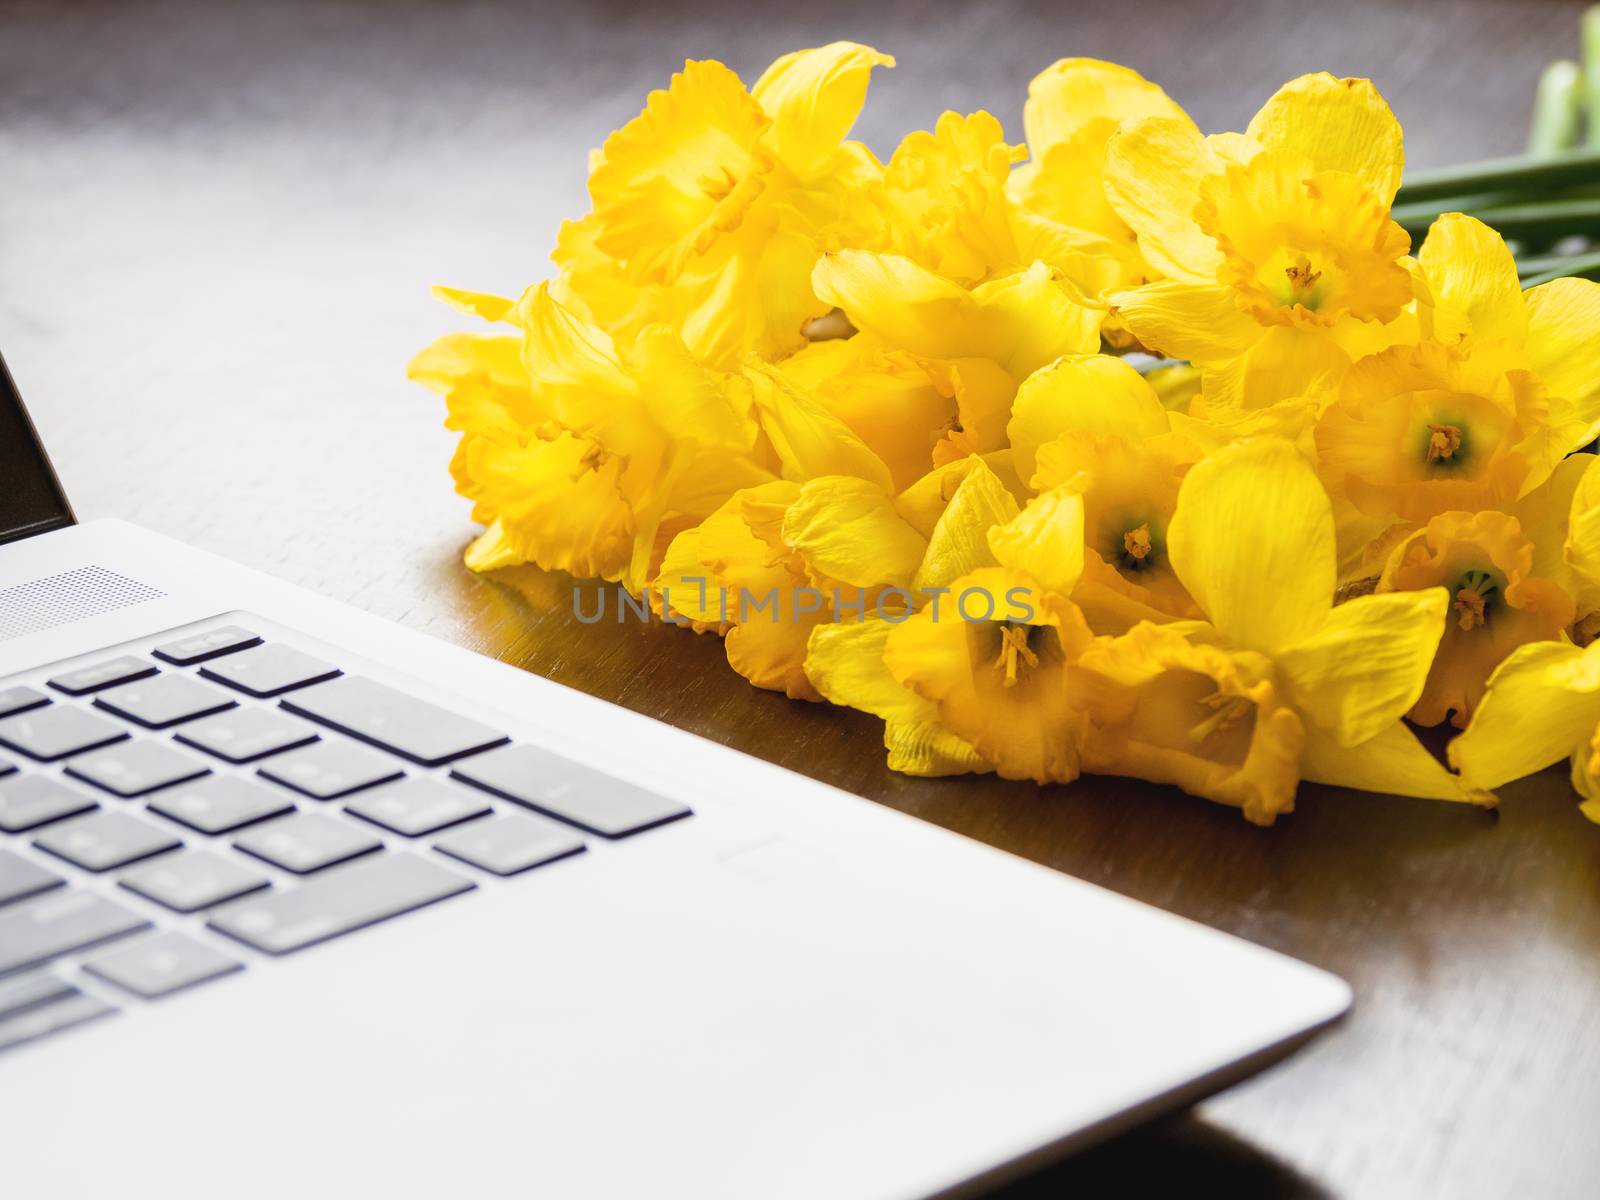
column 510, row 843
column 329, row 770
column 101, row 841
column 416, row 806
column 53, row 924
column 269, row 670
column 164, row 701
column 161, row 964
column 20, row 699
column 30, row 991
column 20, row 878
column 220, row 804
column 72, row 1009
column 102, row 675
column 339, row 902
column 193, row 879
column 135, row 768
column 377, row 713
column 307, row 842
column 199, row 647
column 57, row 732
column 243, row 735
column 28, row 801
column 569, row 791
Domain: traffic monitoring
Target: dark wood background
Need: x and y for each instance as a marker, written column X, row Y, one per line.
column 218, row 224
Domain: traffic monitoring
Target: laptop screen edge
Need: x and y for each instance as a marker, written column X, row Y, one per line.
column 32, row 500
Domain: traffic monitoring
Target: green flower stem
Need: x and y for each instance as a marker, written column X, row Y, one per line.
column 1535, row 271
column 1591, row 72
column 1534, row 223
column 1521, row 176
column 1558, row 105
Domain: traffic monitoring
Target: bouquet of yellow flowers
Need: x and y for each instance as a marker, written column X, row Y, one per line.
column 1131, row 450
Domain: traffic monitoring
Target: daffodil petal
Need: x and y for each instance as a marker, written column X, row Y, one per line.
column 1285, row 363
column 1391, row 763
column 929, row 750
column 1563, row 344
column 809, row 440
column 924, row 502
column 491, row 550
column 1336, row 125
column 1028, row 320
column 1021, row 321
column 1198, row 322
column 1044, row 540
column 1474, row 282
column 844, row 661
column 1542, row 701
column 478, row 304
column 1153, row 173
column 1581, row 551
column 900, row 303
column 959, row 543
column 1073, row 92
column 847, row 529
column 1365, row 668
column 1095, row 393
column 814, row 97
column 1253, row 541
column 457, row 356
column 770, row 652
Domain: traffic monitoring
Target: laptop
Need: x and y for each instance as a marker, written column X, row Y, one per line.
column 295, row 901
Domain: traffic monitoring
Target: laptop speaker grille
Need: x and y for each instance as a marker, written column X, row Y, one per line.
column 71, row 596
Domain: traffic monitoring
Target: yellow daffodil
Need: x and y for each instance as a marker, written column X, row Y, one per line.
column 711, row 206
column 1173, row 709
column 1253, row 542
column 941, row 201
column 603, row 453
column 1280, row 259
column 1463, row 419
column 1093, row 424
column 973, row 677
column 1073, row 108
column 776, row 561
column 1496, row 603
column 1542, row 704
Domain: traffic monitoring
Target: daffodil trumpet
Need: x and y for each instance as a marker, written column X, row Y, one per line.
column 1127, row 448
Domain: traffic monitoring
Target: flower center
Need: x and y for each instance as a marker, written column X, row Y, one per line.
column 1443, row 442
column 1136, row 542
column 715, row 187
column 1475, row 593
column 1302, row 283
column 1014, row 646
column 1226, row 712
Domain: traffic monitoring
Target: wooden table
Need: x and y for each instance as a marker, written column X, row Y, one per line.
column 217, row 229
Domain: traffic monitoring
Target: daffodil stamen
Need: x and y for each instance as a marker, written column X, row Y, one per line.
column 1014, row 645
column 1136, row 542
column 1471, row 602
column 716, row 186
column 1443, row 442
column 1226, row 711
column 1301, row 280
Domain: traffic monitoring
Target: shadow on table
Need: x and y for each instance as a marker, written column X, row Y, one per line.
column 1171, row 1157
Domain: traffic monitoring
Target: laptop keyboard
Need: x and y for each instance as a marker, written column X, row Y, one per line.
column 238, row 785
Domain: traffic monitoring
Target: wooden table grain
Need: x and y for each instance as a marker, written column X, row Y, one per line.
column 218, row 225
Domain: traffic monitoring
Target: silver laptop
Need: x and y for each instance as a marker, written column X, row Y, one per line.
column 294, row 901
